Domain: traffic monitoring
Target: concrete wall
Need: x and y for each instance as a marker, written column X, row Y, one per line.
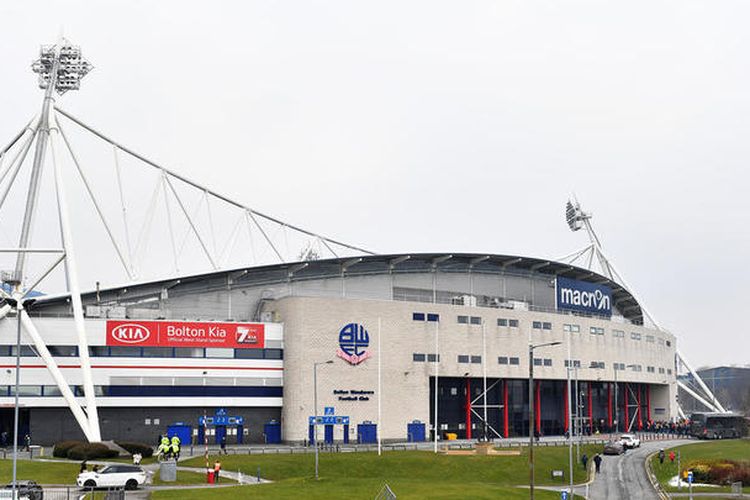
column 312, row 325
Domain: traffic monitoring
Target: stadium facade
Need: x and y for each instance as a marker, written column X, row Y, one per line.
column 244, row 343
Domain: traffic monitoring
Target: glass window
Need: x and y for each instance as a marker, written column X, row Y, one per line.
column 476, row 359
column 503, row 360
column 547, row 362
column 502, row 322
column 650, row 369
column 26, row 390
column 576, row 363
column 433, row 317
column 514, row 361
column 219, row 352
column 536, row 325
column 669, row 343
column 268, row 353
column 454, row 391
column 463, row 358
column 157, row 352
column 63, row 350
column 650, row 338
column 635, row 335
column 476, row 320
column 546, row 326
column 26, row 350
column 463, row 320
column 513, row 323
column 418, row 357
column 248, row 353
column 188, row 352
column 98, row 351
column 537, row 361
column 51, row 390
column 618, row 333
column 669, row 371
column 122, row 351
column 661, row 370
column 417, row 316
column 432, row 358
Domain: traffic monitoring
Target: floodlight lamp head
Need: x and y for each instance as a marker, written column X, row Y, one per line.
column 574, row 216
column 62, row 65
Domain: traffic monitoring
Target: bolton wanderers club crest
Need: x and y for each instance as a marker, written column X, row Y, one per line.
column 353, row 343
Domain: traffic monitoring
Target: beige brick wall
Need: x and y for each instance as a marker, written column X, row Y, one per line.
column 312, row 325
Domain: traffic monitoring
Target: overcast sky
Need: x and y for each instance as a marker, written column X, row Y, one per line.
column 444, row 126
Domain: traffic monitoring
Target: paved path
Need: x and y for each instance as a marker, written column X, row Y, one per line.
column 624, row 477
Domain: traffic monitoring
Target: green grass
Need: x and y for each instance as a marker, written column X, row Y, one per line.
column 41, row 472
column 734, row 449
column 411, row 474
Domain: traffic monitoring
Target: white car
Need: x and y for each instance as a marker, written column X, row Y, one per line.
column 113, row 476
column 630, row 441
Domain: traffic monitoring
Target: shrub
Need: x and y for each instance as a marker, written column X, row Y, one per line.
column 62, row 448
column 91, row 451
column 133, row 448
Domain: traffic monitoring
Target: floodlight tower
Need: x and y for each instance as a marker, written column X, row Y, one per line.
column 578, row 219
column 60, row 68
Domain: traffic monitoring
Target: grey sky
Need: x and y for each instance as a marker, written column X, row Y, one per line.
column 444, row 126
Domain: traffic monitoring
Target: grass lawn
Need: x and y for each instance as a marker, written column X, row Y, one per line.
column 734, row 449
column 41, row 472
column 411, row 474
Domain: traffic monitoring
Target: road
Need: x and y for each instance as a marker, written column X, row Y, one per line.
column 624, row 477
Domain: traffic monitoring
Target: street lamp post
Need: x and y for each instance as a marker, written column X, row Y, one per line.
column 315, row 410
column 531, row 412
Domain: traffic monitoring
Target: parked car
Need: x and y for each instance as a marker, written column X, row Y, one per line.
column 26, row 489
column 113, row 476
column 614, row 448
column 630, row 441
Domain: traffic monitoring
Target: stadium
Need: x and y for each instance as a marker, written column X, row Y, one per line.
column 398, row 347
column 170, row 352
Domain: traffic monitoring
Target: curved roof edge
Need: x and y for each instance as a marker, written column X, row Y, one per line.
column 622, row 299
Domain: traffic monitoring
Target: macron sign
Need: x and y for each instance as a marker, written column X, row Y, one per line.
column 580, row 296
column 186, row 334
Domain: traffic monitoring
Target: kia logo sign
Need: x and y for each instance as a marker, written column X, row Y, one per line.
column 131, row 333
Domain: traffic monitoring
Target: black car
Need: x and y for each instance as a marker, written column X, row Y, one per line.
column 613, row 448
column 27, row 488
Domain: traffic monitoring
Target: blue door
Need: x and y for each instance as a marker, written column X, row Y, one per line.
column 329, row 434
column 346, row 433
column 221, row 431
column 240, row 433
column 311, row 434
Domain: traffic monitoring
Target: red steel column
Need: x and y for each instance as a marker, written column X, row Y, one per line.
column 505, row 408
column 591, row 409
column 640, row 413
column 468, row 408
column 648, row 403
column 565, row 405
column 539, row 407
column 625, row 404
column 609, row 405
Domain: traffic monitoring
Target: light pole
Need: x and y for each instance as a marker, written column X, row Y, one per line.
column 315, row 410
column 570, row 424
column 531, row 412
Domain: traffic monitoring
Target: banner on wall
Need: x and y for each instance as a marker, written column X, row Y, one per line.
column 185, row 334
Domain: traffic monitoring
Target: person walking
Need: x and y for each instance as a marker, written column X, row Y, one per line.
column 672, row 456
column 176, row 447
column 27, row 442
column 84, row 467
column 598, row 462
column 585, row 460
column 217, row 471
column 661, row 456
column 223, row 444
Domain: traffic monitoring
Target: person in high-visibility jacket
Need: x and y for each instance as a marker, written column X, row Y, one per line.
column 176, row 447
column 164, row 447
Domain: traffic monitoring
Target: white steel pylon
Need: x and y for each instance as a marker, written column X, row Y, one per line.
column 578, row 219
column 60, row 68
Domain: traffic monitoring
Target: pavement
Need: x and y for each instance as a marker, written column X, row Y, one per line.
column 624, row 477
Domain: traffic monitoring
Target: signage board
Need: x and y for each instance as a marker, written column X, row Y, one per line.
column 185, row 334
column 581, row 296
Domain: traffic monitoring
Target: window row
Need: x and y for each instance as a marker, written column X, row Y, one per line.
column 418, row 316
column 505, row 360
column 421, row 358
column 465, row 358
column 542, row 362
column 149, row 352
column 541, row 325
column 511, row 323
column 469, row 320
column 147, row 390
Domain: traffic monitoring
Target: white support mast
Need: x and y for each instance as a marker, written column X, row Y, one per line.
column 578, row 219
